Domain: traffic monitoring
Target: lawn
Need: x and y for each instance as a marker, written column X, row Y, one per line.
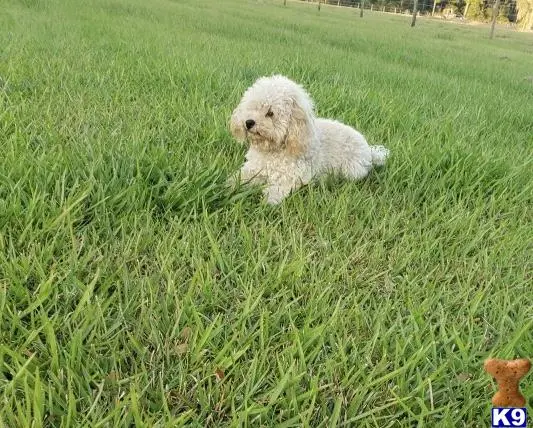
column 136, row 289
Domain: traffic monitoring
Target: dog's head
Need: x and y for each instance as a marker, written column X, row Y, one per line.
column 275, row 114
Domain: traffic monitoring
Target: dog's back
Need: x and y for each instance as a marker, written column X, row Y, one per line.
column 345, row 149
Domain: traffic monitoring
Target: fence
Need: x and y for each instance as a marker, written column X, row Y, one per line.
column 458, row 10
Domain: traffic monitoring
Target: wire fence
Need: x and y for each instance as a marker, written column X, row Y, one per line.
column 458, row 10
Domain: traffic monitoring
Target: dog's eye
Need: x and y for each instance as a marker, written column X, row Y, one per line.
column 270, row 113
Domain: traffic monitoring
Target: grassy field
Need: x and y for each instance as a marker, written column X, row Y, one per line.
column 136, row 290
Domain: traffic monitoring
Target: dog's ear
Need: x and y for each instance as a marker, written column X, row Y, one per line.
column 236, row 127
column 301, row 127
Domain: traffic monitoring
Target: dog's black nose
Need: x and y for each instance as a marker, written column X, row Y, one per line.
column 250, row 123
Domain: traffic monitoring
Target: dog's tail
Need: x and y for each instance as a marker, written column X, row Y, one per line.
column 379, row 155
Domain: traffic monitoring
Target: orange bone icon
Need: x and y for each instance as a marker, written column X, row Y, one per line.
column 508, row 374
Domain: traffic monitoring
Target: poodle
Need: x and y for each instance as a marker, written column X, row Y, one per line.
column 289, row 146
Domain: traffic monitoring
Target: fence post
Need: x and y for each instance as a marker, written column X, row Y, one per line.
column 362, row 6
column 466, row 9
column 415, row 11
column 319, row 1
column 495, row 12
column 371, row 7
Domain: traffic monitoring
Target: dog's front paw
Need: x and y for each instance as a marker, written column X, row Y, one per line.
column 275, row 195
column 272, row 200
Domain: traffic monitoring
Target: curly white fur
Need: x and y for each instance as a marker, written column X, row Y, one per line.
column 289, row 145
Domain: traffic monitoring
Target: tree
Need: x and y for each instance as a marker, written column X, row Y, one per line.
column 476, row 10
column 524, row 17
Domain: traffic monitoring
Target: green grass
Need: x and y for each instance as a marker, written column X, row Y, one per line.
column 136, row 290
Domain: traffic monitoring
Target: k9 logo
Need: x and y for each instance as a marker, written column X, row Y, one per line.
column 509, row 417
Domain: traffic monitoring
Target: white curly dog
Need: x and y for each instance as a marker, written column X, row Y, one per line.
column 288, row 145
